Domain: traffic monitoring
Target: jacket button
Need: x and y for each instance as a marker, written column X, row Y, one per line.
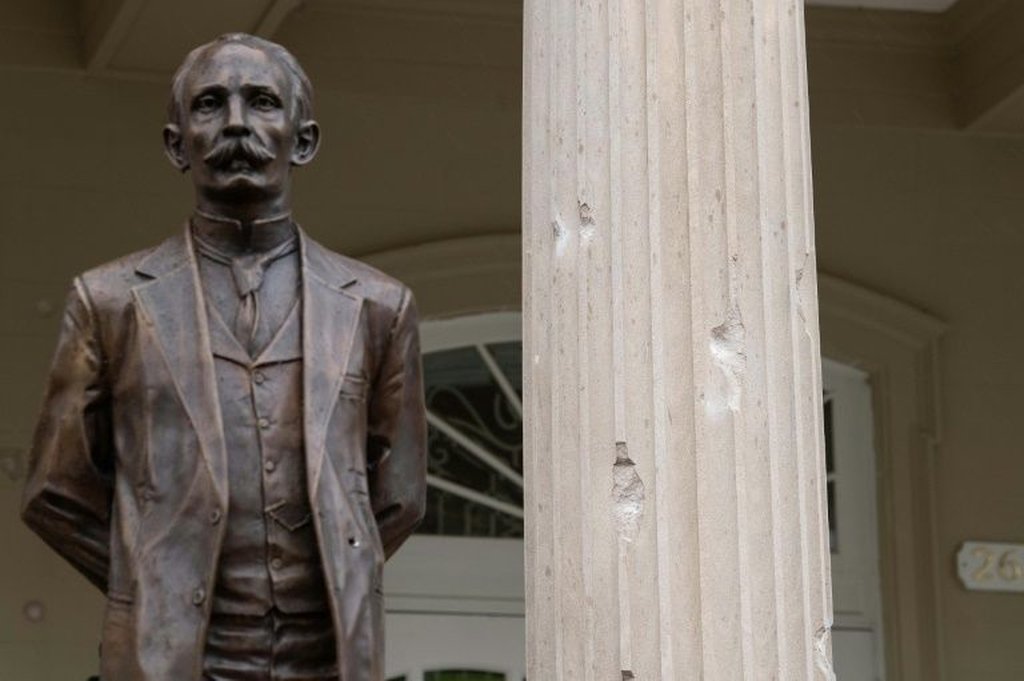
column 258, row 378
column 215, row 516
column 263, row 424
column 198, row 596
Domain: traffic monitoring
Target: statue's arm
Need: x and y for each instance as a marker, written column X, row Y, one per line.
column 397, row 447
column 69, row 489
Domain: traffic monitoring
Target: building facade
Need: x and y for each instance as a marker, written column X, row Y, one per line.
column 915, row 114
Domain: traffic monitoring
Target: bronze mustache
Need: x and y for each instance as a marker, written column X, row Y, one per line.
column 248, row 149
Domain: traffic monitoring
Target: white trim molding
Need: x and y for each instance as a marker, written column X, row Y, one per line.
column 898, row 347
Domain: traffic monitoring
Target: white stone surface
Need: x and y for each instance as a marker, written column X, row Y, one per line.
column 675, row 475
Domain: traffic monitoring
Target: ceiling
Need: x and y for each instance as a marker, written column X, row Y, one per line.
column 970, row 49
column 909, row 5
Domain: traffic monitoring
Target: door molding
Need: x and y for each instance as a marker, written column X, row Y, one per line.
column 898, row 347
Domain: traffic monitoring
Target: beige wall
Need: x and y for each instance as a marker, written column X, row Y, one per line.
column 915, row 209
column 934, row 219
column 422, row 144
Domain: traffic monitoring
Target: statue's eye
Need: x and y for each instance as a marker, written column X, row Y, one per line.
column 265, row 102
column 205, row 103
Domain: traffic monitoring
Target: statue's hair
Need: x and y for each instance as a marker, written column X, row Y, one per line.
column 302, row 89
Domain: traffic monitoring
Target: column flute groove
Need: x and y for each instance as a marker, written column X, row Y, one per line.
column 674, row 504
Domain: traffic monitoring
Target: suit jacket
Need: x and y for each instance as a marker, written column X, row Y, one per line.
column 128, row 477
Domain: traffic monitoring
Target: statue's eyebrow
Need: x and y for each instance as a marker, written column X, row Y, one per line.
column 259, row 88
column 211, row 89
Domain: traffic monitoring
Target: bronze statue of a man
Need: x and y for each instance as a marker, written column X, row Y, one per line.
column 233, row 436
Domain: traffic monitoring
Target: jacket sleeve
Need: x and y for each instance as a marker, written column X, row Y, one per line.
column 397, row 447
column 69, row 488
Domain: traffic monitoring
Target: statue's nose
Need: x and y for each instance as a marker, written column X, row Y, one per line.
column 236, row 130
column 236, row 124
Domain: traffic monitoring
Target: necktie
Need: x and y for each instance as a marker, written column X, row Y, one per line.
column 247, row 272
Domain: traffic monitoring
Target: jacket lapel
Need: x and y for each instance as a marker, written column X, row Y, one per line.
column 172, row 304
column 329, row 323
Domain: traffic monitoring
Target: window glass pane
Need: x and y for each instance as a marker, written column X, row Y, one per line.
column 829, row 445
column 509, row 357
column 830, row 473
column 462, row 675
column 464, row 394
column 833, row 544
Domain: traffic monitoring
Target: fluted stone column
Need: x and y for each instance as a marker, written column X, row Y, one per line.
column 675, row 507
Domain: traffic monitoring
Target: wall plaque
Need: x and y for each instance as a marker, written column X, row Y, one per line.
column 988, row 566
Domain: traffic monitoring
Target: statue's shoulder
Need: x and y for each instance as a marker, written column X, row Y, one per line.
column 117, row 270
column 360, row 278
column 111, row 284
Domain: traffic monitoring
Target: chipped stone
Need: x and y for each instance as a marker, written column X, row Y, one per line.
column 628, row 492
column 729, row 355
column 823, row 652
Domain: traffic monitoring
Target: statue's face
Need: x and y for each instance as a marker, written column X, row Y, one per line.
column 239, row 130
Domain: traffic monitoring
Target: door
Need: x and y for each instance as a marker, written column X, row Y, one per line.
column 853, row 524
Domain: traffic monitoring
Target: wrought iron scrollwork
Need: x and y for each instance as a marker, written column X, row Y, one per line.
column 475, row 444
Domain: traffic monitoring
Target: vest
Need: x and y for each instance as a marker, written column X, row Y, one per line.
column 269, row 558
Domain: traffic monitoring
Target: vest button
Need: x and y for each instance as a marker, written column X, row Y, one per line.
column 276, row 564
column 215, row 516
column 198, row 596
column 263, row 423
column 269, row 466
column 258, row 378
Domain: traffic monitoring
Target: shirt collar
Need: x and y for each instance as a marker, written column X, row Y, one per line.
column 235, row 238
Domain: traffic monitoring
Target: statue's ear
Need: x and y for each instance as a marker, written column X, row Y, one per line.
column 307, row 142
column 174, row 147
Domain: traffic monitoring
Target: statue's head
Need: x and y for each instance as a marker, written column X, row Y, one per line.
column 240, row 116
